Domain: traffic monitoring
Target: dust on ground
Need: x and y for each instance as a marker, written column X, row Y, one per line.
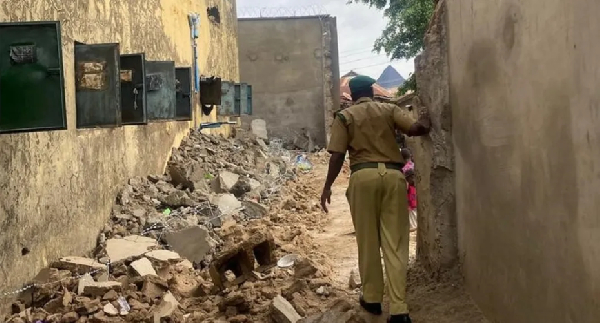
column 431, row 300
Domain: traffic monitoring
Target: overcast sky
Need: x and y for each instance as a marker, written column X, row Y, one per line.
column 358, row 27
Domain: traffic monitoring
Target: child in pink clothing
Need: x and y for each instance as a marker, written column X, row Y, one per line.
column 412, row 198
column 408, row 163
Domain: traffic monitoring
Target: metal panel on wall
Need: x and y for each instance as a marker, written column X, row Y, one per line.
column 97, row 85
column 183, row 91
column 227, row 107
column 160, row 87
column 241, row 97
column 133, row 89
column 31, row 77
column 249, row 101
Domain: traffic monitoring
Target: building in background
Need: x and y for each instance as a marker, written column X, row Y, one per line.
column 292, row 64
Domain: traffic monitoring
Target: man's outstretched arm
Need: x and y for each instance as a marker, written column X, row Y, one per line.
column 338, row 145
column 412, row 128
column 336, row 161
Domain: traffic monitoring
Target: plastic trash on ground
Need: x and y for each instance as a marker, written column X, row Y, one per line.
column 287, row 261
column 302, row 163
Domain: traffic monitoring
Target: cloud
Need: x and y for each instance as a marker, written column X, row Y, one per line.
column 358, row 28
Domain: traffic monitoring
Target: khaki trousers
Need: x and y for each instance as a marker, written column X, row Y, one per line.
column 379, row 209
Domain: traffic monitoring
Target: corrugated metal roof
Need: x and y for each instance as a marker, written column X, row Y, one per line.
column 378, row 90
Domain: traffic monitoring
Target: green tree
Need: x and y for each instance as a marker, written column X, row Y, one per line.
column 403, row 36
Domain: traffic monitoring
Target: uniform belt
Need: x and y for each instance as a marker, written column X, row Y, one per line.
column 357, row 167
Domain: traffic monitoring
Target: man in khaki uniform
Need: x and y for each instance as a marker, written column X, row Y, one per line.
column 377, row 191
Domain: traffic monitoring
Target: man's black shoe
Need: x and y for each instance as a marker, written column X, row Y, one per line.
column 373, row 308
column 403, row 318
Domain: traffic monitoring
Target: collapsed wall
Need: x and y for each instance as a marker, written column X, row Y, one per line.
column 197, row 244
column 434, row 155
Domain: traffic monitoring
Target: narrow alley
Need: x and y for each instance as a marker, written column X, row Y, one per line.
column 170, row 161
column 155, row 258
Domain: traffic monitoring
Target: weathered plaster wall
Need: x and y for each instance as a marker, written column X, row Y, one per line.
column 290, row 64
column 437, row 245
column 57, row 188
column 524, row 81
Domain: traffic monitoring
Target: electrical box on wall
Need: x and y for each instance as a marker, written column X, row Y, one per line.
column 227, row 107
column 97, row 85
column 248, row 109
column 160, row 87
column 31, row 77
column 183, row 92
column 210, row 91
column 241, row 97
column 133, row 89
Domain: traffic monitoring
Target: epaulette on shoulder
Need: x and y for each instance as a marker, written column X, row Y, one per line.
column 342, row 117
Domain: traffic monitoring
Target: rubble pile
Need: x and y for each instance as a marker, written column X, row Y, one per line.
column 200, row 243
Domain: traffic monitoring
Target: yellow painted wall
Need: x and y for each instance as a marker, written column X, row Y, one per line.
column 57, row 188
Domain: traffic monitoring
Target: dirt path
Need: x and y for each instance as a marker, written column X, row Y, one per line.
column 431, row 301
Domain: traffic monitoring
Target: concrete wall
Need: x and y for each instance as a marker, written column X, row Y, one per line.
column 524, row 79
column 437, row 246
column 57, row 187
column 291, row 64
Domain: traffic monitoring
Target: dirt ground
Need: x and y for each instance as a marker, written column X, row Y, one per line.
column 441, row 300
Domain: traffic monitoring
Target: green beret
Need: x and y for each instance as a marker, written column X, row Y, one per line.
column 361, row 82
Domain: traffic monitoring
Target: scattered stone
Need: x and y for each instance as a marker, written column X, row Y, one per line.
column 70, row 317
column 224, row 182
column 154, row 287
column 78, row 265
column 322, row 291
column 237, row 301
column 99, row 289
column 110, row 309
column 297, row 286
column 166, row 307
column 86, row 280
column 355, row 281
column 191, row 243
column 163, row 255
column 128, row 247
column 283, row 312
column 304, row 268
column 228, row 204
column 254, row 210
column 143, row 267
column 111, row 295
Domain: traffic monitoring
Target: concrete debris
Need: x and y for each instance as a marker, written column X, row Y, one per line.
column 79, row 265
column 259, row 128
column 143, row 267
column 166, row 307
column 223, row 242
column 164, row 255
column 304, row 268
column 128, row 247
column 225, row 182
column 228, row 204
column 191, row 243
column 110, row 309
column 84, row 281
column 99, row 289
column 283, row 312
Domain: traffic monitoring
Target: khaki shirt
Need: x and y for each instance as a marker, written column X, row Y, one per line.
column 367, row 131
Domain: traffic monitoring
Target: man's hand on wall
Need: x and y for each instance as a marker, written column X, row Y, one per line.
column 424, row 117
